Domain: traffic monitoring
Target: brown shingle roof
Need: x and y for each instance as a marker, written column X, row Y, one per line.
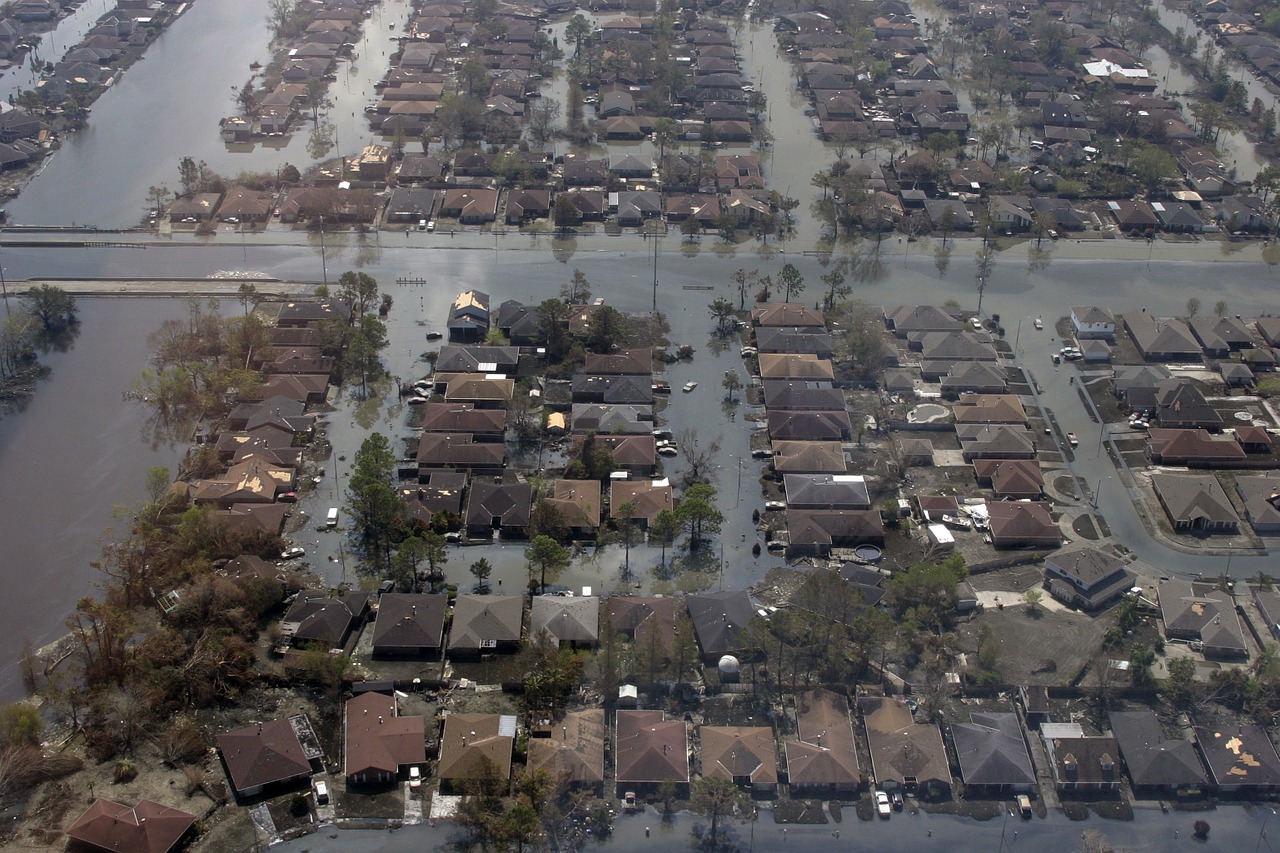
column 148, row 827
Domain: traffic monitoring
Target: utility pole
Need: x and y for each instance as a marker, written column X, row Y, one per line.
column 324, row 267
column 655, row 268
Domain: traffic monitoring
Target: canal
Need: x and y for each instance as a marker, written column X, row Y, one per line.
column 143, row 125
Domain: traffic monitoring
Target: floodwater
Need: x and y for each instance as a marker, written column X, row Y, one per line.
column 75, row 452
column 1151, row 831
column 66, row 33
column 208, row 50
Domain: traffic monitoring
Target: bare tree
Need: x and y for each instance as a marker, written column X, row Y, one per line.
column 698, row 455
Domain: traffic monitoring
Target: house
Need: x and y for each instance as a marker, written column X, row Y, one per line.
column 627, row 362
column 633, row 207
column 703, row 208
column 240, row 204
column 646, row 499
column 481, row 424
column 609, row 418
column 477, row 359
column 1201, row 613
column 1268, row 603
column 480, row 390
column 948, row 215
column 1156, row 763
column 1179, row 404
column 1136, row 385
column 1086, row 577
column 275, row 756
column 578, row 502
column 486, row 623
column 1010, row 479
column 322, row 621
column 904, row 753
column 1093, row 322
column 975, row 377
column 438, row 491
column 1178, row 217
column 574, row 752
column 1192, row 447
column 992, row 753
column 1081, row 763
column 744, row 755
column 570, row 622
column 1023, row 524
column 630, row 167
column 148, row 827
column 1221, row 336
column 1253, row 439
column 198, row 207
column 789, row 314
column 635, row 454
column 794, row 339
column 460, row 451
column 823, row 759
column 1162, row 339
column 526, row 204
column 826, row 491
column 650, row 751
column 1235, row 375
column 809, row 457
column 310, row 313
column 720, row 621
column 795, row 366
column 649, row 622
column 1056, row 210
column 817, row 531
column 989, row 409
column 809, row 426
column 476, row 747
column 470, row 205
column 1241, row 758
column 904, row 320
column 1260, row 495
column 469, row 315
column 995, row 441
column 378, row 741
column 254, row 480
column 498, row 507
column 409, row 625
column 787, row 395
column 738, row 170
column 1195, row 504
column 1133, row 215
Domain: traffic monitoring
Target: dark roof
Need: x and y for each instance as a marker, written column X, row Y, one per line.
column 720, row 619
column 510, row 502
column 1089, row 566
column 477, row 618
column 322, row 619
column 263, row 753
column 148, row 827
column 826, row 490
column 1152, row 758
column 991, row 750
column 1239, row 754
column 409, row 622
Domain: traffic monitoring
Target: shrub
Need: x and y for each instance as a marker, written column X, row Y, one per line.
column 126, row 770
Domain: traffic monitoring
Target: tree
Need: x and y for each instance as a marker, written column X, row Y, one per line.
column 1141, row 659
column 664, row 135
column 732, row 383
column 247, row 99
column 541, row 118
column 862, row 346
column 926, row 592
column 1193, row 307
column 698, row 514
column 247, row 294
column 545, row 556
column 713, row 798
column 836, row 287
column 723, row 311
column 359, row 290
column 577, row 290
column 156, row 197
column 553, row 318
column 663, row 530
column 564, row 213
column 691, row 227
column 375, row 508
column 481, row 569
column 578, row 31
column 627, row 532
column 546, row 519
column 1220, row 308
column 697, row 456
column 745, row 280
column 791, row 282
column 53, row 307
column 1033, row 597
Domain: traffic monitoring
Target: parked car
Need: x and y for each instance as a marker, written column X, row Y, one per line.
column 761, row 454
column 689, row 386
column 322, row 793
column 775, row 505
column 292, row 553
column 668, row 450
column 1072, row 440
column 415, row 777
column 660, row 388
column 896, row 796
column 882, row 805
column 1038, row 323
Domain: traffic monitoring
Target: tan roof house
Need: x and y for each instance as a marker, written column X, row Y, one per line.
column 903, row 751
column 379, row 741
column 474, row 747
column 650, row 750
column 745, row 755
column 575, row 750
column 823, row 760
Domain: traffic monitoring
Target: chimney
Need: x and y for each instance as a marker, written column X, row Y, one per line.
column 1069, row 768
column 1108, row 767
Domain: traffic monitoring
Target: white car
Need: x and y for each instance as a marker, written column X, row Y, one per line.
column 775, row 505
column 882, row 805
column 668, row 450
column 292, row 553
column 415, row 777
column 322, row 793
column 689, row 386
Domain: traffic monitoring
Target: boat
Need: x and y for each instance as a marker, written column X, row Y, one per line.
column 1039, row 324
column 689, row 386
column 957, row 522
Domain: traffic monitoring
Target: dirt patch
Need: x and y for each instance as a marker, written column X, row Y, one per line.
column 799, row 812
column 1084, row 528
column 1039, row 646
column 1112, row 810
column 976, row 809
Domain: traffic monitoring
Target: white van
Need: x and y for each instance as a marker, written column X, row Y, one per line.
column 331, row 520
